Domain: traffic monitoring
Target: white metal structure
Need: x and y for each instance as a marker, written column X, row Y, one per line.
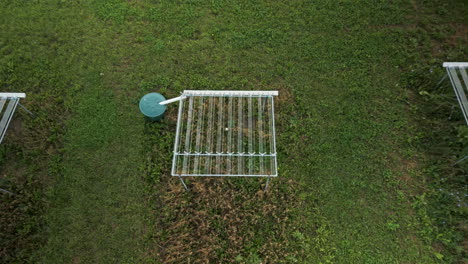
column 225, row 133
column 459, row 79
column 7, row 112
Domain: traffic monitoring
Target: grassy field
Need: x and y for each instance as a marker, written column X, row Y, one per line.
column 92, row 176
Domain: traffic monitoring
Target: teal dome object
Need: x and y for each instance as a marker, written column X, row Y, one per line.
column 150, row 107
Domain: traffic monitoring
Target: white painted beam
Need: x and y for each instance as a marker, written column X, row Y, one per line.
column 172, row 100
column 455, row 64
column 229, row 93
column 13, row 95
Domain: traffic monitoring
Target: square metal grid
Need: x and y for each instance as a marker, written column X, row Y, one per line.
column 225, row 133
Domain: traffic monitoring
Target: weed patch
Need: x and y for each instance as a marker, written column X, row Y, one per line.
column 441, row 131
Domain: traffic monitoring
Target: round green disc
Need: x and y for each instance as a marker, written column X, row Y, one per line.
column 150, row 107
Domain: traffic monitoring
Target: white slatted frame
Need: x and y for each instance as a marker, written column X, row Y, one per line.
column 228, row 142
column 459, row 86
column 7, row 115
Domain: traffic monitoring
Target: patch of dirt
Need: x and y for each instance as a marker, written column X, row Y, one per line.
column 405, row 167
column 414, row 5
column 461, row 33
column 285, row 96
column 171, row 113
column 15, row 129
column 459, row 38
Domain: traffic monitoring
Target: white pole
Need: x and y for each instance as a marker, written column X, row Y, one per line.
column 172, row 100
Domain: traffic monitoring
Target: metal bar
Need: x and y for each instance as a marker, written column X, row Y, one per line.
column 25, row 109
column 230, row 126
column 189, row 127
column 227, row 175
column 183, row 183
column 273, row 133
column 210, row 126
column 240, row 147
column 5, row 191
column 455, row 64
column 270, row 128
column 250, row 132
column 209, row 149
column 227, row 155
column 12, row 95
column 228, row 93
column 441, row 80
column 188, row 134
column 219, row 147
column 465, row 78
column 219, row 140
column 182, row 126
column 2, row 103
column 260, row 127
column 464, row 158
column 266, row 186
column 201, row 110
column 229, row 148
column 177, row 139
column 10, row 110
column 260, row 134
column 457, row 86
column 172, row 100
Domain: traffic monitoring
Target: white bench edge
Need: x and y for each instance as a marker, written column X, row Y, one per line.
column 455, row 64
column 12, row 95
column 233, row 93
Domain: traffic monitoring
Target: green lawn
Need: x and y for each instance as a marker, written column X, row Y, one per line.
column 99, row 173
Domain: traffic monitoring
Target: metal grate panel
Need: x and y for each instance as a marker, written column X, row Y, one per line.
column 225, row 133
column 8, row 103
column 459, row 79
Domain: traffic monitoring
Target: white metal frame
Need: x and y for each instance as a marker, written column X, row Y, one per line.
column 225, row 133
column 7, row 114
column 455, row 70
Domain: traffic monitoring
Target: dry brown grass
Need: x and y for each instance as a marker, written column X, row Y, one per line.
column 217, row 221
